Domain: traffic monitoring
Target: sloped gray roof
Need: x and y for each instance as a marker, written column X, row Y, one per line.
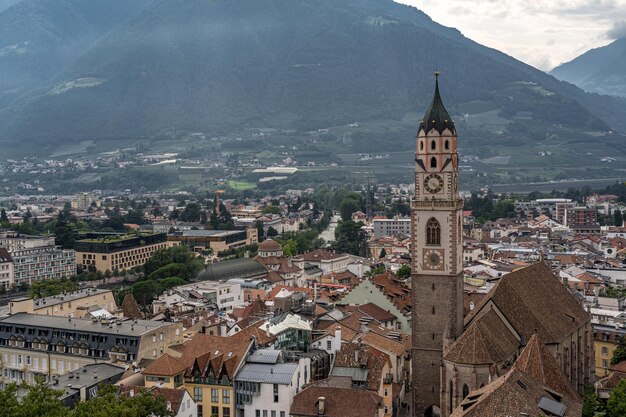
column 281, row 373
column 356, row 374
column 264, row 356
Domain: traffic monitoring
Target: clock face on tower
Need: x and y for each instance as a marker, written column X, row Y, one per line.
column 433, row 183
column 433, row 259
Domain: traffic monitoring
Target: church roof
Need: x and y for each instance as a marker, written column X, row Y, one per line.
column 437, row 117
column 486, row 341
column 533, row 300
column 537, row 362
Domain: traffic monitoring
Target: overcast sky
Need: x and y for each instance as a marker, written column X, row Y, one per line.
column 542, row 33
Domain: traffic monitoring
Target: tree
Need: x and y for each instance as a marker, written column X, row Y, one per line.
column 404, row 272
column 349, row 205
column 271, row 232
column 290, row 248
column 616, row 406
column 619, row 354
column 590, row 402
column 50, row 287
column 618, row 219
column 383, row 253
column 348, row 238
column 3, row 216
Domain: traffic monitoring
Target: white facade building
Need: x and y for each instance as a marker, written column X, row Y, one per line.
column 226, row 296
column 266, row 384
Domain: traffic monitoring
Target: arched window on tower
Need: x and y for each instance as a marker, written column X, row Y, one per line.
column 465, row 391
column 447, row 145
column 433, row 145
column 421, row 145
column 433, row 162
column 433, row 232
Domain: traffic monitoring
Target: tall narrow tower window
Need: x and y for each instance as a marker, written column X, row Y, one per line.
column 433, row 145
column 465, row 391
column 447, row 145
column 433, row 162
column 421, row 145
column 433, row 232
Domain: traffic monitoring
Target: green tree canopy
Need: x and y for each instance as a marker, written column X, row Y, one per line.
column 404, row 272
column 616, row 405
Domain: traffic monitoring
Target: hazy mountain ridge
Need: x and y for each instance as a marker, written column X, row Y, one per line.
column 600, row 70
column 197, row 65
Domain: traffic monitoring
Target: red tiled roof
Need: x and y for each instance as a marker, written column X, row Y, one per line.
column 165, row 365
column 338, row 402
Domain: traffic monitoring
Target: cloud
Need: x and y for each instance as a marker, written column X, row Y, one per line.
column 618, row 31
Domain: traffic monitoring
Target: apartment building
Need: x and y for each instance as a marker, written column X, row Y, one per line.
column 37, row 258
column 215, row 240
column 71, row 304
column 32, row 344
column 391, row 227
column 111, row 251
column 6, row 269
column 206, row 367
column 226, row 296
column 267, row 384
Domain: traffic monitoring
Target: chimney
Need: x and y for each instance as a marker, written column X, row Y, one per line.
column 356, row 356
column 320, row 405
column 267, row 329
column 338, row 336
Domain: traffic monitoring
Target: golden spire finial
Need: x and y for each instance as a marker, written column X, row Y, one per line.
column 436, row 73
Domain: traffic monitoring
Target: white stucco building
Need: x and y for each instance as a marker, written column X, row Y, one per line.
column 266, row 384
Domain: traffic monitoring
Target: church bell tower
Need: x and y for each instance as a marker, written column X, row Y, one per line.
column 436, row 252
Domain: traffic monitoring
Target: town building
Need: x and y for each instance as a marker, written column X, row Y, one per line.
column 214, row 240
column 329, row 262
column 175, row 225
column 72, row 304
column 82, row 201
column 84, row 383
column 115, row 252
column 391, row 227
column 325, row 401
column 7, row 275
column 206, row 367
column 37, row 258
column 32, row 345
column 225, row 296
column 267, row 384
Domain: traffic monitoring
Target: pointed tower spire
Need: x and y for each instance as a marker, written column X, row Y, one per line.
column 437, row 117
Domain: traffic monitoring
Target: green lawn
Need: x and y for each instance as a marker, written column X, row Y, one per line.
column 241, row 185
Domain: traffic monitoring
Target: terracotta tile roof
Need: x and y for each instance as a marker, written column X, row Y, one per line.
column 486, row 341
column 511, row 395
column 338, row 402
column 173, row 397
column 383, row 343
column 376, row 312
column 610, row 382
column 221, row 355
column 533, row 300
column 165, row 365
column 253, row 330
column 318, row 255
column 537, row 362
column 619, row 367
column 368, row 357
column 130, row 308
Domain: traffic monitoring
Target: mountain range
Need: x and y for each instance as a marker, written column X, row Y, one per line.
column 600, row 70
column 115, row 70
